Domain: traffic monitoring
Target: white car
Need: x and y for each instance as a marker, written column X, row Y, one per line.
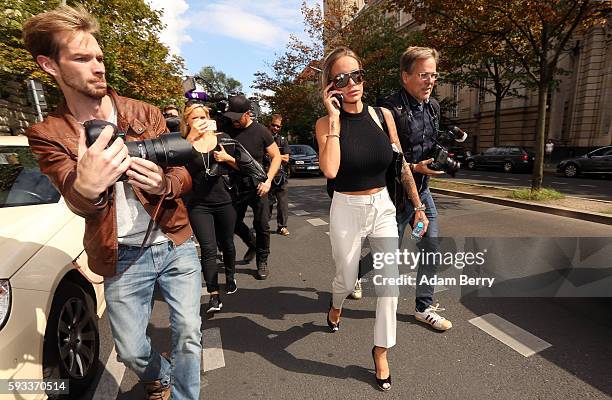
column 50, row 301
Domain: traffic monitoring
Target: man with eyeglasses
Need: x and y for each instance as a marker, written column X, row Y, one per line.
column 278, row 192
column 417, row 117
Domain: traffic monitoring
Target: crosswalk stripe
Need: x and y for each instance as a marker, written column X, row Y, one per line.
column 316, row 222
column 110, row 381
column 299, row 213
column 291, row 205
column 212, row 352
column 509, row 334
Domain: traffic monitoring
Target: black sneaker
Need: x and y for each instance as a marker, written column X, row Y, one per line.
column 230, row 286
column 214, row 304
column 250, row 255
column 262, row 270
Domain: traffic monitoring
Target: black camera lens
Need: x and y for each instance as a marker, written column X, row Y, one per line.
column 168, row 150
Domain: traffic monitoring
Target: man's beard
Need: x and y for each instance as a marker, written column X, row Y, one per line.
column 84, row 88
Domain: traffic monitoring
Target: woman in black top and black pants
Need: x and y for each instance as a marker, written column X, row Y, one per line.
column 356, row 152
column 211, row 213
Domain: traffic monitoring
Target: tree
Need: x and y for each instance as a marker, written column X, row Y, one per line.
column 137, row 64
column 218, row 81
column 293, row 89
column 535, row 33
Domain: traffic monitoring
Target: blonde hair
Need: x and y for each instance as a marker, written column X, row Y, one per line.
column 331, row 59
column 414, row 53
column 39, row 33
column 184, row 125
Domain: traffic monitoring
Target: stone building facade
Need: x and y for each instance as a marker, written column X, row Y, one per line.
column 16, row 112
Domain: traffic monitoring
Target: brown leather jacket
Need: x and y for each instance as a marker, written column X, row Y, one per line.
column 55, row 142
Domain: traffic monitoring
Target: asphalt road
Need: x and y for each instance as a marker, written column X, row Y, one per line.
column 271, row 340
column 593, row 188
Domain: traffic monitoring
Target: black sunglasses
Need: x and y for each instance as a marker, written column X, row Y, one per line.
column 342, row 80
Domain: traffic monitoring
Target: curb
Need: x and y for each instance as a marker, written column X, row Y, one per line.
column 561, row 211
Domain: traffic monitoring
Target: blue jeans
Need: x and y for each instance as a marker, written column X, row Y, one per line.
column 424, row 293
column 128, row 298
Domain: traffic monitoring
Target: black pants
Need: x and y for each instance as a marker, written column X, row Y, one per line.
column 279, row 194
column 261, row 216
column 212, row 225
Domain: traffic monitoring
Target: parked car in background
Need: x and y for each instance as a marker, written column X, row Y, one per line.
column 303, row 160
column 596, row 162
column 49, row 300
column 506, row 158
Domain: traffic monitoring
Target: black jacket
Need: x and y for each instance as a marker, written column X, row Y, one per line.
column 416, row 127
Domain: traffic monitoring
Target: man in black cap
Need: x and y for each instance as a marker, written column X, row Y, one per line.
column 258, row 141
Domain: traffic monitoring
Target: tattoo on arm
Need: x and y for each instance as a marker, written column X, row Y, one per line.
column 409, row 184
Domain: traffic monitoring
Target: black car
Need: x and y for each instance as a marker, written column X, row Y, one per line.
column 507, row 158
column 598, row 162
column 303, row 160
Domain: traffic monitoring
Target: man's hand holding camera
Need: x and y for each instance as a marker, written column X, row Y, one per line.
column 99, row 167
column 422, row 168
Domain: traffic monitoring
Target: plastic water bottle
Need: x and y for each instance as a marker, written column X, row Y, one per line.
column 417, row 231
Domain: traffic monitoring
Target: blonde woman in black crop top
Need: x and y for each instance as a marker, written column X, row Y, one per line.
column 356, row 152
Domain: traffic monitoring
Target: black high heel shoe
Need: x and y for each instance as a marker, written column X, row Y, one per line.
column 333, row 327
column 383, row 384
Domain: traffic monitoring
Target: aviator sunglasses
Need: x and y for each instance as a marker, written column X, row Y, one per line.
column 342, row 80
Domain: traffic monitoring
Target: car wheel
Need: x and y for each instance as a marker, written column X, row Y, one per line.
column 570, row 170
column 72, row 343
column 508, row 167
column 471, row 164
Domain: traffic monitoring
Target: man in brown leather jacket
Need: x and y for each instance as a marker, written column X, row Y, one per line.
column 118, row 213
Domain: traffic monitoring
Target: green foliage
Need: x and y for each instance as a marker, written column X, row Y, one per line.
column 536, row 195
column 292, row 89
column 218, row 81
column 137, row 64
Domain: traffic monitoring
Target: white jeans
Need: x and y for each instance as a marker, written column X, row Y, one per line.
column 352, row 219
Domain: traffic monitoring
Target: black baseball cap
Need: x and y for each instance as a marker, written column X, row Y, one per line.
column 238, row 105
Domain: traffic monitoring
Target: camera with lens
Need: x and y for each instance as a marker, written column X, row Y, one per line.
column 439, row 153
column 168, row 150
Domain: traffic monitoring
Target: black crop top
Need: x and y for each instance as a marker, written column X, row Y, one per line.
column 365, row 153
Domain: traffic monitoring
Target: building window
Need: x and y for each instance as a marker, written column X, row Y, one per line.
column 481, row 90
column 455, row 110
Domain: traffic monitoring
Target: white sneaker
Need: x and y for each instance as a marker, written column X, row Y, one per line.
column 430, row 316
column 357, row 292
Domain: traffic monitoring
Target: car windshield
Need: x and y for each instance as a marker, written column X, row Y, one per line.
column 303, row 150
column 21, row 182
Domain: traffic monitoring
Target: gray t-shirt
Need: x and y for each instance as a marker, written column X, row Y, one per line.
column 132, row 218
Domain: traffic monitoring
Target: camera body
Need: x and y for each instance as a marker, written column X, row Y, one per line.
column 439, row 153
column 167, row 150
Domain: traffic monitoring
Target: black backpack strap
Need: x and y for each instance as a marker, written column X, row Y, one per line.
column 381, row 118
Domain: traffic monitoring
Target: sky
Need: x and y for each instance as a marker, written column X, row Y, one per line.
column 237, row 37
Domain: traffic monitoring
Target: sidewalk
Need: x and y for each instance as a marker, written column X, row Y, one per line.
column 599, row 211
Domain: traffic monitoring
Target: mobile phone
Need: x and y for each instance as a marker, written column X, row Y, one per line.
column 338, row 97
column 212, row 126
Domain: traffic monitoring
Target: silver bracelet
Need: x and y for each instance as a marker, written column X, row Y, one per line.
column 420, row 208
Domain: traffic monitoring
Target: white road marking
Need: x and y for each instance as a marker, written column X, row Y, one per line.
column 513, row 179
column 316, row 222
column 509, row 334
column 291, row 205
column 561, row 183
column 212, row 351
column 299, row 213
column 110, row 381
column 589, row 186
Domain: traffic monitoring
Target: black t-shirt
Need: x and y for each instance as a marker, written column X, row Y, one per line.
column 255, row 138
column 209, row 188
